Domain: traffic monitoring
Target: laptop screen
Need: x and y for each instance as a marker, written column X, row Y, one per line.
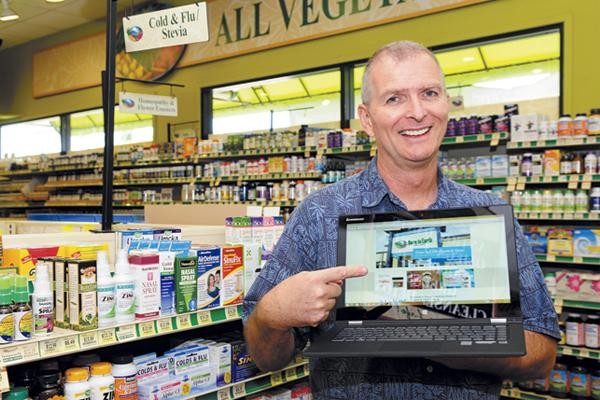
column 439, row 260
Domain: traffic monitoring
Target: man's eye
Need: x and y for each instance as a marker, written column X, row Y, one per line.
column 392, row 99
column 431, row 93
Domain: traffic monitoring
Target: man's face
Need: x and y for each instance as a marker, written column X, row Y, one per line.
column 408, row 111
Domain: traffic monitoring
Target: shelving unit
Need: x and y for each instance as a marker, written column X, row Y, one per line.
column 589, row 141
column 579, row 352
column 564, row 259
column 515, row 393
column 587, row 216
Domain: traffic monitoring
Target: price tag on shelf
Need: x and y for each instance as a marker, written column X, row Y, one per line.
column 568, row 215
column 459, row 139
column 510, row 188
column 146, row 329
column 520, row 186
column 535, row 179
column 164, row 325
column 126, row 332
column 232, row 312
column 558, row 304
column 495, row 139
column 290, row 374
column 306, row 152
column 183, row 321
column 50, row 347
column 479, row 181
column 276, row 379
column 578, row 260
column 566, row 350
column 521, row 179
column 70, row 343
column 550, row 257
column 586, row 185
column 511, row 180
column 88, row 339
column 373, row 150
column 204, row 317
column 480, row 137
column 224, row 394
column 239, row 390
column 573, row 184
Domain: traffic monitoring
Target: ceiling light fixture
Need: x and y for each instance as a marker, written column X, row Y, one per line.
column 468, row 59
column 537, row 71
column 54, row 1
column 512, row 83
column 7, row 13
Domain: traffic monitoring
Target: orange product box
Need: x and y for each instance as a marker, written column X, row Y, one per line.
column 552, row 162
column 25, row 258
column 232, row 284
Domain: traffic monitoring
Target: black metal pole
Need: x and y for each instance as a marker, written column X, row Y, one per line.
column 108, row 106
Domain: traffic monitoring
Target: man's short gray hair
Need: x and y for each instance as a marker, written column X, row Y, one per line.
column 399, row 50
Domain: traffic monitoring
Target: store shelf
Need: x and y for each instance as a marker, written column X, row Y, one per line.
column 515, row 393
column 71, row 184
column 482, row 181
column 50, row 171
column 579, row 352
column 288, row 203
column 569, row 260
column 154, row 163
column 547, row 179
column 257, row 383
column 16, row 204
column 215, row 181
column 154, row 181
column 256, row 152
column 479, row 138
column 589, row 141
column 64, row 341
column 587, row 216
column 73, row 203
column 559, row 303
column 361, row 148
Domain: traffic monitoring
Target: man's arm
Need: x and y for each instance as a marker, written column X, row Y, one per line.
column 537, row 363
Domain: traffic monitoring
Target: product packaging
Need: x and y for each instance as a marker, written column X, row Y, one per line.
column 146, row 269
column 209, row 276
column 83, row 309
column 186, row 287
column 232, row 291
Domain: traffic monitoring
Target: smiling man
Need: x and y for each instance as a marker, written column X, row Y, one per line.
column 405, row 107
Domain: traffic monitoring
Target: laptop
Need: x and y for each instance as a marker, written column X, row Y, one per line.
column 440, row 283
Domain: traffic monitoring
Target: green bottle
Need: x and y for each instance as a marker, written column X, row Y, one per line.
column 7, row 324
column 23, row 319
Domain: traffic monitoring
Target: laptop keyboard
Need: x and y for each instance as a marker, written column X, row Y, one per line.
column 480, row 334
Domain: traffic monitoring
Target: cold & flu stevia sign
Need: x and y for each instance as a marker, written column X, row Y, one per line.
column 170, row 27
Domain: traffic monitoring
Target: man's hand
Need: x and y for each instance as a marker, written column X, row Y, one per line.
column 306, row 298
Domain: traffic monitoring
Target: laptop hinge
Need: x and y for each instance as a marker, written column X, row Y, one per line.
column 498, row 320
column 355, row 322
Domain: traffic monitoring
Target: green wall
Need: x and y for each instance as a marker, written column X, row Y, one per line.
column 581, row 82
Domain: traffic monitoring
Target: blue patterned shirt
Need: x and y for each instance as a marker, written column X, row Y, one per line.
column 309, row 242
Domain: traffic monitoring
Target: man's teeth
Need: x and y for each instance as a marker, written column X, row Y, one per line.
column 416, row 132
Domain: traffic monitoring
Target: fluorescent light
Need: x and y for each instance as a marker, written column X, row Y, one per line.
column 54, row 1
column 537, row 71
column 326, row 102
column 468, row 59
column 7, row 13
column 511, row 83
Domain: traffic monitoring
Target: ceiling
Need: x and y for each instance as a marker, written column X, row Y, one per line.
column 37, row 18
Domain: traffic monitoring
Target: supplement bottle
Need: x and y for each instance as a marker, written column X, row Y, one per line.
column 7, row 322
column 580, row 125
column 42, row 302
column 590, row 163
column 124, row 290
column 580, row 383
column 595, row 378
column 559, row 379
column 527, row 164
column 565, row 163
column 77, row 386
column 577, row 164
column 594, row 122
column 595, row 199
column 102, row 382
column 581, row 201
column 125, row 374
column 105, row 289
column 565, row 126
column 592, row 336
column 23, row 317
column 536, row 201
column 575, row 330
column 557, row 201
column 568, row 201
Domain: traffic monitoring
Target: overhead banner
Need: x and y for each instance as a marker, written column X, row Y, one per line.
column 139, row 103
column 170, row 27
column 241, row 26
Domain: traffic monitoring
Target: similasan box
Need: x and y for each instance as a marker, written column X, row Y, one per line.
column 232, row 290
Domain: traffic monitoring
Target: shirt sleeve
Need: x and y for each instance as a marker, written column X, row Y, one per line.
column 536, row 305
column 293, row 253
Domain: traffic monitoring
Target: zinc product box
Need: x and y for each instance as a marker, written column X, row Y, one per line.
column 83, row 310
column 167, row 234
column 586, row 243
column 560, row 242
column 242, row 365
column 61, row 293
column 209, row 277
column 146, row 269
column 186, row 284
column 232, row 290
column 197, row 380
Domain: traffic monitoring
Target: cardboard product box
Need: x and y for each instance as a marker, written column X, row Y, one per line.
column 167, row 389
column 198, row 380
column 124, row 238
column 146, row 269
column 167, row 282
column 252, row 264
column 186, row 359
column 232, row 290
column 586, row 243
column 151, row 368
column 560, row 242
column 242, row 364
column 301, row 391
column 537, row 238
column 186, row 284
column 82, row 251
column 83, row 310
column 25, row 258
column 280, row 393
column 552, row 162
column 483, row 166
column 580, row 286
column 61, row 293
column 524, row 127
column 499, row 165
column 209, row 276
column 167, row 234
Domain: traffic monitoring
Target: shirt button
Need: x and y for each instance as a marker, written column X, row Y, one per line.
column 429, row 369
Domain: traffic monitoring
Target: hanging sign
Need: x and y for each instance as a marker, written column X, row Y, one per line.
column 139, row 103
column 170, row 27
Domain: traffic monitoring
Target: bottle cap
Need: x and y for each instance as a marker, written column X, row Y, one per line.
column 21, row 289
column 122, row 359
column 17, row 393
column 6, row 282
column 102, row 266
column 122, row 266
column 77, row 374
column 85, row 360
column 101, row 368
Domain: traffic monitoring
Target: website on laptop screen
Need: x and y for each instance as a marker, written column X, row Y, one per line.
column 459, row 260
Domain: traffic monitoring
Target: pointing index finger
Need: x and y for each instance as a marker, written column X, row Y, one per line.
column 337, row 274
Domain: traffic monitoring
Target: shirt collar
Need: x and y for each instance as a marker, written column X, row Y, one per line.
column 375, row 189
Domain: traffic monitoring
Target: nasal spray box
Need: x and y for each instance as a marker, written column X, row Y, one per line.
column 146, row 270
column 209, row 276
column 232, row 291
column 83, row 309
column 186, row 286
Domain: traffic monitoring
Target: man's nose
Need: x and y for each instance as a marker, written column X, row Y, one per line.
column 416, row 110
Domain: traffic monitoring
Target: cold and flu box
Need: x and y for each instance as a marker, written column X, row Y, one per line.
column 83, row 310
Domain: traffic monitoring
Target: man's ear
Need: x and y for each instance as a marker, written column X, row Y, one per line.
column 365, row 119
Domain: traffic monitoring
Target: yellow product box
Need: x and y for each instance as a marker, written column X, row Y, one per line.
column 560, row 242
column 82, row 251
column 25, row 258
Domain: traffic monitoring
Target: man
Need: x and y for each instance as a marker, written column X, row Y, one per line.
column 405, row 107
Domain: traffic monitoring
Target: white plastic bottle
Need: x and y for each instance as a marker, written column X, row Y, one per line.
column 105, row 292
column 124, row 290
column 102, row 383
column 125, row 374
column 42, row 302
column 77, row 386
